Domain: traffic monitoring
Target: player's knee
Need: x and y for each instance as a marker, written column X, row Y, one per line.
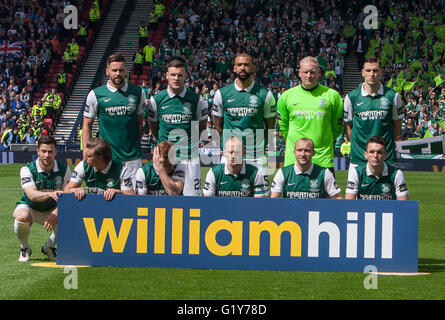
column 22, row 216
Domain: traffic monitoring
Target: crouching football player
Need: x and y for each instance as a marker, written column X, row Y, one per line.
column 42, row 181
column 376, row 180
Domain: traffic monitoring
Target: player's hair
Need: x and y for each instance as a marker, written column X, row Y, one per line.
column 100, row 148
column 235, row 138
column 165, row 151
column 310, row 59
column 176, row 62
column 371, row 59
column 245, row 54
column 308, row 140
column 46, row 140
column 115, row 57
column 376, row 139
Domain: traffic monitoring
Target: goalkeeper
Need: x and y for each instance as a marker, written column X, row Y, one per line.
column 313, row 111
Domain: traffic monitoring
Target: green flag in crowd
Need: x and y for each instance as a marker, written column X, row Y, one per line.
column 408, row 85
column 439, row 80
column 349, row 31
column 390, row 23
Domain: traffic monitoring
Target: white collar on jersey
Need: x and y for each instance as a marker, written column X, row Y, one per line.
column 105, row 170
column 40, row 170
column 308, row 171
column 380, row 92
column 172, row 95
column 384, row 173
column 247, row 89
column 113, row 89
column 243, row 169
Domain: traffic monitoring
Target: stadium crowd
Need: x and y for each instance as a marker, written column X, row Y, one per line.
column 277, row 34
column 32, row 38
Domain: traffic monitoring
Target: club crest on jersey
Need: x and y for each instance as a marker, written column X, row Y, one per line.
column 254, row 102
column 384, row 103
column 314, row 185
column 323, row 102
column 109, row 182
column 385, row 188
column 131, row 100
column 245, row 184
column 187, row 107
column 58, row 181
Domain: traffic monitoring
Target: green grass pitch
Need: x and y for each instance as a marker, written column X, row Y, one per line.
column 23, row 281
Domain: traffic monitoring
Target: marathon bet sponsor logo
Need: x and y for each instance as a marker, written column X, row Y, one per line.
column 309, row 115
column 373, row 114
column 205, row 238
column 120, row 110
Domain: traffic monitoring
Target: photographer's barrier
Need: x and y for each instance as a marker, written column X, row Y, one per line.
column 238, row 233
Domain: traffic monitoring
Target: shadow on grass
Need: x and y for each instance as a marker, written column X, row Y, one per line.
column 431, row 265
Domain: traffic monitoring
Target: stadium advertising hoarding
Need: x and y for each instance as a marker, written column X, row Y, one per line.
column 238, row 233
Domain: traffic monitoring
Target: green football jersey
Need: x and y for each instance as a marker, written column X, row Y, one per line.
column 369, row 187
column 244, row 112
column 372, row 116
column 117, row 112
column 46, row 182
column 178, row 117
column 150, row 183
column 98, row 181
column 315, row 114
column 303, row 186
column 221, row 183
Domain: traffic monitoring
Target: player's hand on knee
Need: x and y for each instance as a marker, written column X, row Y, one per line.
column 50, row 223
column 55, row 195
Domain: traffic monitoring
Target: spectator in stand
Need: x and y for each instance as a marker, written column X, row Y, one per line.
column 68, row 60
column 30, row 137
column 409, row 131
column 82, row 34
column 18, row 105
column 10, row 138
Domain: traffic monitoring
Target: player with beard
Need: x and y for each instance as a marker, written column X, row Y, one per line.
column 42, row 182
column 245, row 109
column 119, row 107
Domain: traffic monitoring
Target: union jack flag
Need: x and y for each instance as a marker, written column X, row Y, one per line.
column 10, row 49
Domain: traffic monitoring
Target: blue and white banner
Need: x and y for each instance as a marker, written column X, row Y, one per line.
column 238, row 233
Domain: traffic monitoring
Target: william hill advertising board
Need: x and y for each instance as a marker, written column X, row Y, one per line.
column 238, row 233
